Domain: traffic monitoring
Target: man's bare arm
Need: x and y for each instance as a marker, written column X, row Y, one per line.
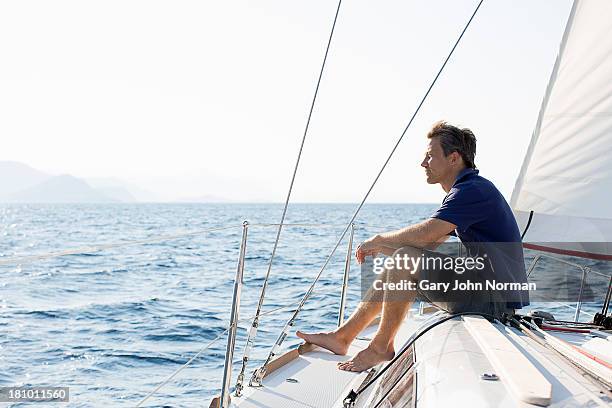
column 429, row 233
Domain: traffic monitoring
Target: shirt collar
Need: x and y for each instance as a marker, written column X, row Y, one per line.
column 465, row 173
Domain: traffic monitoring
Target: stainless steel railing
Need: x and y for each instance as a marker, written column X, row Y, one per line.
column 231, row 341
column 345, row 278
column 231, row 337
column 585, row 273
column 224, row 401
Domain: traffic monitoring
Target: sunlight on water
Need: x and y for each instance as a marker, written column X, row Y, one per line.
column 113, row 324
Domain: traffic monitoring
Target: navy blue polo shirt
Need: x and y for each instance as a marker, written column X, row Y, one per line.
column 485, row 224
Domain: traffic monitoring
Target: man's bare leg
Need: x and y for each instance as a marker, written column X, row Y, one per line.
column 381, row 348
column 339, row 340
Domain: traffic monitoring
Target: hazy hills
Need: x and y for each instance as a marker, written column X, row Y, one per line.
column 60, row 189
column 15, row 177
column 20, row 183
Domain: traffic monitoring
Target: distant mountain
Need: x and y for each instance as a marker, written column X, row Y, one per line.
column 15, row 176
column 61, row 189
column 22, row 183
column 122, row 190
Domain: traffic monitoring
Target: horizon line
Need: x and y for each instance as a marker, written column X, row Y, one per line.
column 216, row 202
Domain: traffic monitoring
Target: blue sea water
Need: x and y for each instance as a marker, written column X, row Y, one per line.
column 113, row 324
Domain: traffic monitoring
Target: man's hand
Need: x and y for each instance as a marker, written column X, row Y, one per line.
column 369, row 247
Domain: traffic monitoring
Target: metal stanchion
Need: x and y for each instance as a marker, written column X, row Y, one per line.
column 347, row 269
column 231, row 337
column 585, row 270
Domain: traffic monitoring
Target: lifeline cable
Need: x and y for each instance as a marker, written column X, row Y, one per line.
column 260, row 372
column 207, row 346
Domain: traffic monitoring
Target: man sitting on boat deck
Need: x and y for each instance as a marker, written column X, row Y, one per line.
column 474, row 211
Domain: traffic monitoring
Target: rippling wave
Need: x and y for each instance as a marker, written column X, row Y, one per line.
column 113, row 324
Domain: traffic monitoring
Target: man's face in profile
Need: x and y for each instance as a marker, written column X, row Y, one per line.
column 437, row 166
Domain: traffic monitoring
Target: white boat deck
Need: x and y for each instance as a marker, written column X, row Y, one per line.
column 311, row 380
column 314, row 378
column 448, row 369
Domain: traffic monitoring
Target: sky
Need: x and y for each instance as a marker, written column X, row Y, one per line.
column 197, row 98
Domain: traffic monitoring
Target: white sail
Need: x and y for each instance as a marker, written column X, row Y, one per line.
column 566, row 178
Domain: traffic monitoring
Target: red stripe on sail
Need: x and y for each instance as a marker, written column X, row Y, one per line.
column 581, row 254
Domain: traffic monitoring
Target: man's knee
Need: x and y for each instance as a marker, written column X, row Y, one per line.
column 407, row 261
column 409, row 251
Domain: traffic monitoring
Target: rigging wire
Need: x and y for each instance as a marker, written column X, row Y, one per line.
column 525, row 325
column 207, row 346
column 181, row 368
column 260, row 372
column 253, row 332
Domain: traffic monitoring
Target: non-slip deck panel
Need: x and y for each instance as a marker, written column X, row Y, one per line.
column 315, row 381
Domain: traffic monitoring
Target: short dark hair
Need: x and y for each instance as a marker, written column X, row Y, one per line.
column 452, row 139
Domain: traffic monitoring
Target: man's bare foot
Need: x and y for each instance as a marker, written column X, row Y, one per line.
column 330, row 341
column 367, row 358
